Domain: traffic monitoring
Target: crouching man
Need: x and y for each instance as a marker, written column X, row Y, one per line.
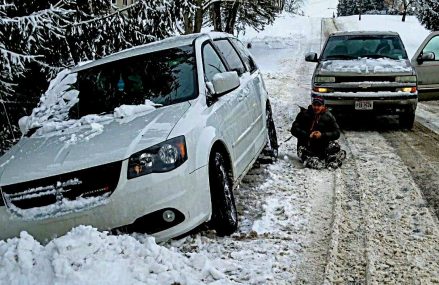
column 317, row 131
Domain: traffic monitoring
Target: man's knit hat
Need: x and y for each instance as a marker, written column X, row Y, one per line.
column 318, row 100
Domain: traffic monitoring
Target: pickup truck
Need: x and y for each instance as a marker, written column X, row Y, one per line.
column 366, row 72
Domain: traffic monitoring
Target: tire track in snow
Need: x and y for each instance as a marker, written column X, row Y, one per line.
column 398, row 235
column 347, row 258
column 418, row 150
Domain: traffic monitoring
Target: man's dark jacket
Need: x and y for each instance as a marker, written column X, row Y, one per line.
column 306, row 122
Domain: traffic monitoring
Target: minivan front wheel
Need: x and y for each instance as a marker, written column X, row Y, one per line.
column 224, row 213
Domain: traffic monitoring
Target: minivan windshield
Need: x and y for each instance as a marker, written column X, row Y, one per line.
column 164, row 77
column 364, row 46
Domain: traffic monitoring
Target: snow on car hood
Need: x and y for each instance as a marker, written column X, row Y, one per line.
column 90, row 144
column 366, row 66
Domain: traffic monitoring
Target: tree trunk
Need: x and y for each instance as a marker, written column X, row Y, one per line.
column 231, row 19
column 216, row 17
column 188, row 24
column 405, row 7
column 198, row 16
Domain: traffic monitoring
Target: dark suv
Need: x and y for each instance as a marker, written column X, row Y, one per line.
column 366, row 72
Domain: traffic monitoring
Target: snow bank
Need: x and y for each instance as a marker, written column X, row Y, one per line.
column 87, row 256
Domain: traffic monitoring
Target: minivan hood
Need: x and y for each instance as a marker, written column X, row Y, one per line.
column 365, row 66
column 87, row 146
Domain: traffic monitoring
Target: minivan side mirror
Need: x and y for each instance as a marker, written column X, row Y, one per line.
column 311, row 57
column 22, row 123
column 428, row 56
column 225, row 82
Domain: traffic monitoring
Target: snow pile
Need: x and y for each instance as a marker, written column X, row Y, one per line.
column 366, row 65
column 55, row 103
column 87, row 256
column 63, row 207
column 131, row 110
column 52, row 113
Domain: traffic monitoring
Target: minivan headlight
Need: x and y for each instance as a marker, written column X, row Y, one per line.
column 324, row 79
column 406, row 79
column 162, row 157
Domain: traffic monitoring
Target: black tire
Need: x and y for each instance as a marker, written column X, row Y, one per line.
column 407, row 119
column 224, row 213
column 272, row 146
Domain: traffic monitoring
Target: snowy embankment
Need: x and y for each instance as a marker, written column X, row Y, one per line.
column 87, row 256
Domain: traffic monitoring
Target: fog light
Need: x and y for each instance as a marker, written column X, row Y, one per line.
column 168, row 216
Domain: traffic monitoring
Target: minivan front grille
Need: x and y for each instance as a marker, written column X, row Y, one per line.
column 91, row 182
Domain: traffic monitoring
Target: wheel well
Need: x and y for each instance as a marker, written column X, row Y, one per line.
column 218, row 146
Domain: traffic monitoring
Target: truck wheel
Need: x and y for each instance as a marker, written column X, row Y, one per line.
column 272, row 146
column 224, row 213
column 407, row 119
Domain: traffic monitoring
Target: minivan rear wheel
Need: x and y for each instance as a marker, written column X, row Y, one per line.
column 272, row 146
column 224, row 213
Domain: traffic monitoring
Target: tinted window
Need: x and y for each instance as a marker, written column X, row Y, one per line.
column 164, row 77
column 351, row 47
column 245, row 54
column 212, row 62
column 433, row 46
column 230, row 55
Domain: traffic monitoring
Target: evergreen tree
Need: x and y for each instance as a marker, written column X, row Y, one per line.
column 348, row 7
column 28, row 32
column 96, row 31
column 428, row 14
column 38, row 39
column 233, row 16
column 293, row 6
column 372, row 6
column 355, row 7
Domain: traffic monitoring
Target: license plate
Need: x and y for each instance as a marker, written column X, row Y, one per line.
column 363, row 105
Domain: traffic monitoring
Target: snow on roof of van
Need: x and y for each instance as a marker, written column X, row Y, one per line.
column 171, row 42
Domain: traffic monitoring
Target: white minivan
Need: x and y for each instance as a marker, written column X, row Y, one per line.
column 154, row 138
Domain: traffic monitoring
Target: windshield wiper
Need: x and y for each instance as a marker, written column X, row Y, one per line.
column 377, row 56
column 339, row 56
column 31, row 131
